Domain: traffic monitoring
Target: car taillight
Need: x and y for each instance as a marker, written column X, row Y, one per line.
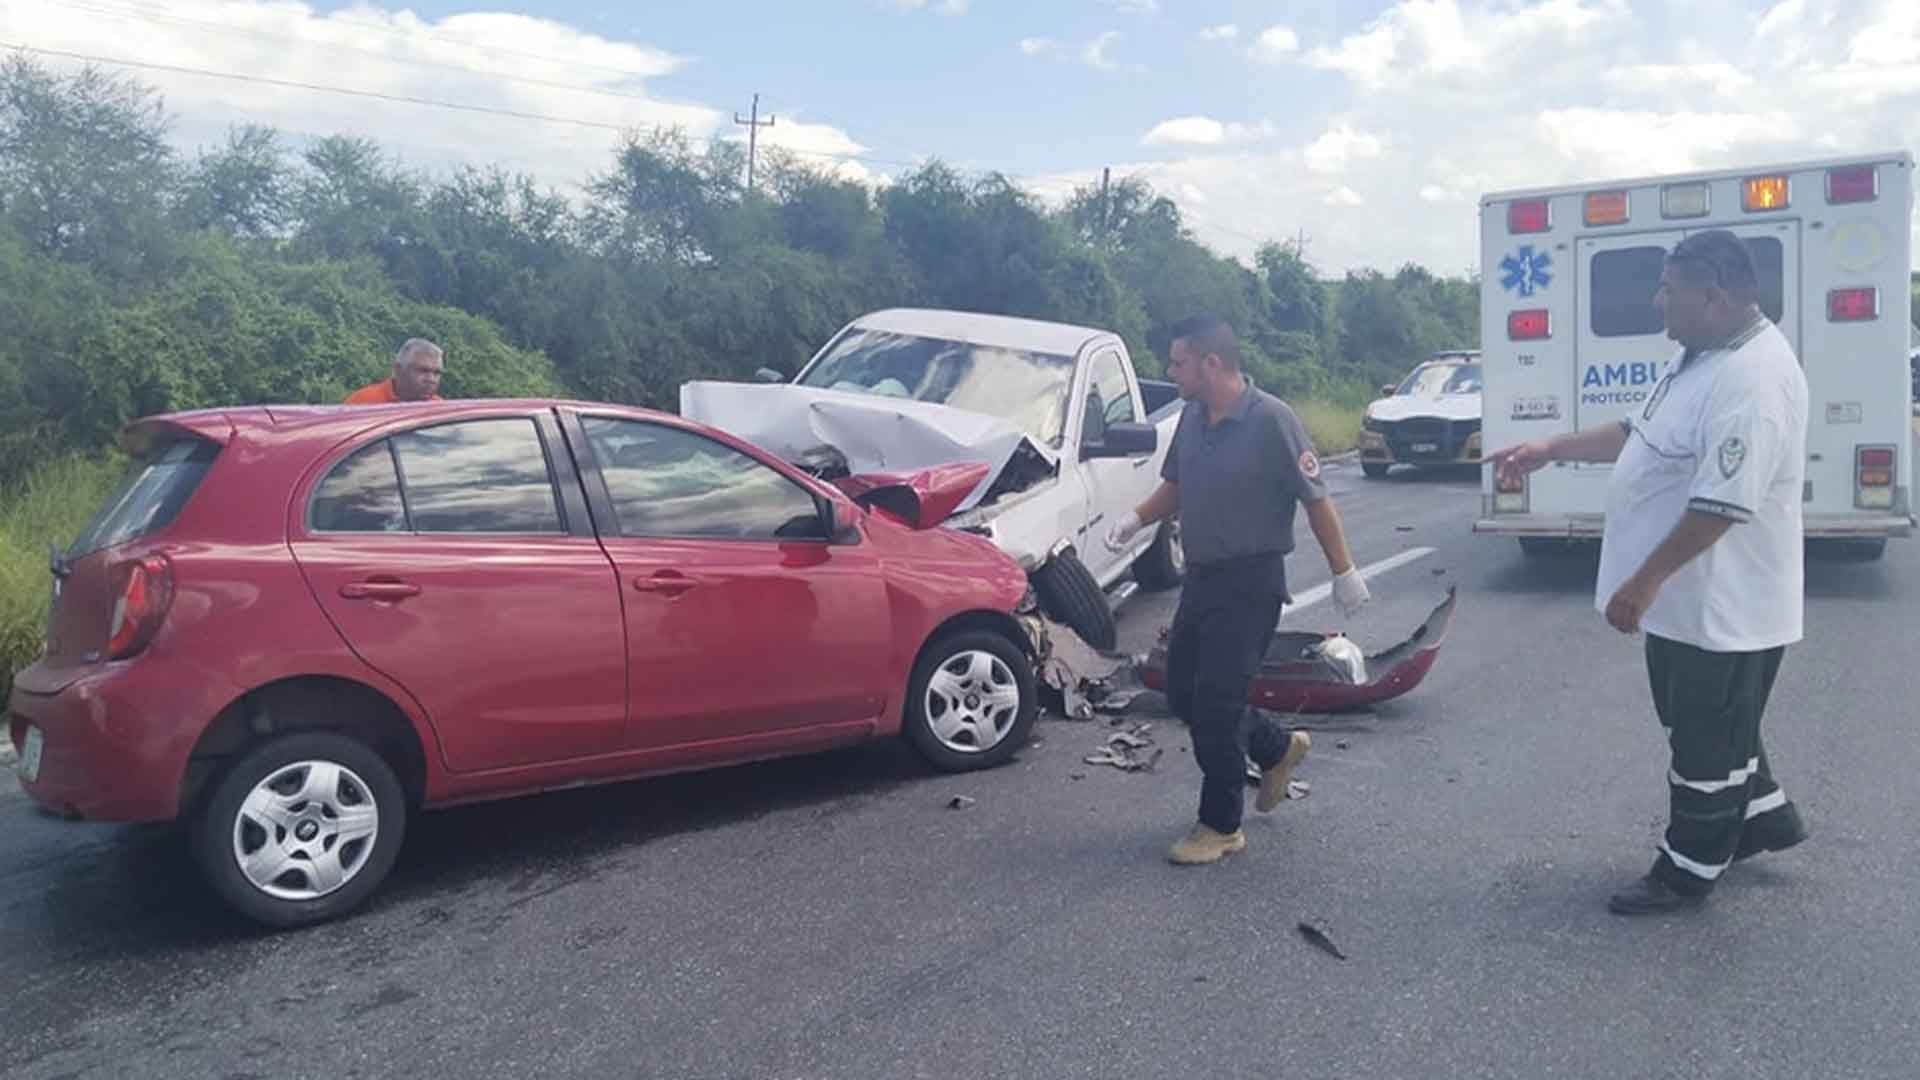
column 1853, row 305
column 142, row 594
column 1529, row 216
column 1873, row 476
column 1530, row 325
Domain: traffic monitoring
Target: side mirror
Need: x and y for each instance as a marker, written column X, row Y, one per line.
column 841, row 522
column 1387, row 390
column 768, row 375
column 1122, row 440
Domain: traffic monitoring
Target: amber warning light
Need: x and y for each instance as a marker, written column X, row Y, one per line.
column 1765, row 193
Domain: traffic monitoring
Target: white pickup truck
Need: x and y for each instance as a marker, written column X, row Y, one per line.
column 1071, row 437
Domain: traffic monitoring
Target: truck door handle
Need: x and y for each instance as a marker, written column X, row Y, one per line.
column 379, row 590
column 665, row 582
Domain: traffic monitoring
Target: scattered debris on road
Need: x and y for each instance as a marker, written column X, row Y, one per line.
column 961, row 802
column 1127, row 751
column 1319, row 939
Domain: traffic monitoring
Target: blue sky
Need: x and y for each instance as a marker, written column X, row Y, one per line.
column 1371, row 128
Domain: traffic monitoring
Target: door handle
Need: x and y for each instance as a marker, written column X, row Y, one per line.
column 666, row 582
column 379, row 590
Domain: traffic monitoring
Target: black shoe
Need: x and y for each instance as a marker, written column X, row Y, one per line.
column 1775, row 831
column 1651, row 896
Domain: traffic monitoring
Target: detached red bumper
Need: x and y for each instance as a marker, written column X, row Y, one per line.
column 1289, row 681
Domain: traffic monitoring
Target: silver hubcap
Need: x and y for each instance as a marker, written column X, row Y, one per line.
column 972, row 701
column 1176, row 552
column 305, row 830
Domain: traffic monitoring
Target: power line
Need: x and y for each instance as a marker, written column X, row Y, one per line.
column 402, row 98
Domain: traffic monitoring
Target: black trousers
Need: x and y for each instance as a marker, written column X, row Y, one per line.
column 1220, row 633
column 1720, row 785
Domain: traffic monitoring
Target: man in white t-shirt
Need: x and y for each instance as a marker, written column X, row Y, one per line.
column 1702, row 551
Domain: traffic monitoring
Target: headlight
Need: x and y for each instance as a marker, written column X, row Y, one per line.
column 1370, row 424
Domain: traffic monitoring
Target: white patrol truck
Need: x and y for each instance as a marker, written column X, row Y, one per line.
column 1570, row 338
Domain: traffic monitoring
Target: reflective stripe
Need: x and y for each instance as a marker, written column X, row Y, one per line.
column 1766, row 802
column 1714, row 787
column 1699, row 870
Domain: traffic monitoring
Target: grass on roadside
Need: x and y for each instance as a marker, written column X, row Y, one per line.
column 1334, row 426
column 49, row 506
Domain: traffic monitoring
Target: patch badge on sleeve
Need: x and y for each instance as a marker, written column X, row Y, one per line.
column 1733, row 454
column 1309, row 465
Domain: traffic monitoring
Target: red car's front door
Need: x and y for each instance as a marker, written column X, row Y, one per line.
column 450, row 563
column 743, row 622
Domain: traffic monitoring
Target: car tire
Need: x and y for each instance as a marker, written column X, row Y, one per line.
column 1069, row 595
column 276, row 777
column 1163, row 565
column 971, row 702
column 1374, row 470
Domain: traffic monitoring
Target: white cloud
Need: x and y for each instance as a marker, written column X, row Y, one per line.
column 944, row 7
column 1340, row 147
column 1093, row 54
column 1437, row 102
column 1134, row 7
column 1204, row 131
column 1223, row 32
column 1667, row 80
column 1275, row 44
column 593, row 86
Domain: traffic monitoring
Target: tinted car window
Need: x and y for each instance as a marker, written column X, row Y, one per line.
column 150, row 495
column 361, row 494
column 478, row 476
column 668, row 482
column 1624, row 282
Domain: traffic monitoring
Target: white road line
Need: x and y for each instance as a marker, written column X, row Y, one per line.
column 1321, row 592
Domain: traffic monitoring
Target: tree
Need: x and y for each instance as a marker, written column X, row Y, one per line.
column 84, row 165
column 243, row 189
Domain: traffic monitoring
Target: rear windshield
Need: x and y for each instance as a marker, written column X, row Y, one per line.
column 150, row 496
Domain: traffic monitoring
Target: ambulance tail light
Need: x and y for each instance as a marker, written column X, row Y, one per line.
column 1533, row 324
column 1529, row 216
column 1853, row 184
column 1760, row 193
column 1606, row 208
column 1853, row 305
column 1873, row 477
column 1685, row 200
column 1509, row 492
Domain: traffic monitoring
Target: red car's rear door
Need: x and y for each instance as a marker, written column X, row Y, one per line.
column 458, row 560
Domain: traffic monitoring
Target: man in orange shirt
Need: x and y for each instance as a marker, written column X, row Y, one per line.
column 416, row 376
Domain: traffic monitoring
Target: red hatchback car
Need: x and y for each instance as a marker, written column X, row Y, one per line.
column 292, row 627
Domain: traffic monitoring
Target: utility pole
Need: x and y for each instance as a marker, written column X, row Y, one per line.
column 1106, row 174
column 753, row 125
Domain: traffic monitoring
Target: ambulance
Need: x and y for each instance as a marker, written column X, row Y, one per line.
column 1570, row 338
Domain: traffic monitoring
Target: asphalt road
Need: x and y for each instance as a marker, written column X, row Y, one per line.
column 832, row 917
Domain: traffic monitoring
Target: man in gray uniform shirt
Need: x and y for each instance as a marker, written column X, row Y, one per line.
column 1239, row 462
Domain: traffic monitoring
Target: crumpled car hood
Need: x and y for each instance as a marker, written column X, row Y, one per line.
column 873, row 434
column 1447, row 406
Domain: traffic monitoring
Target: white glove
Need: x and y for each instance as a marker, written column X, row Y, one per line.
column 1350, row 591
column 1123, row 531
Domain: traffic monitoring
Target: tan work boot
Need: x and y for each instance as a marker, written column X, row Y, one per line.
column 1273, row 782
column 1203, row 845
